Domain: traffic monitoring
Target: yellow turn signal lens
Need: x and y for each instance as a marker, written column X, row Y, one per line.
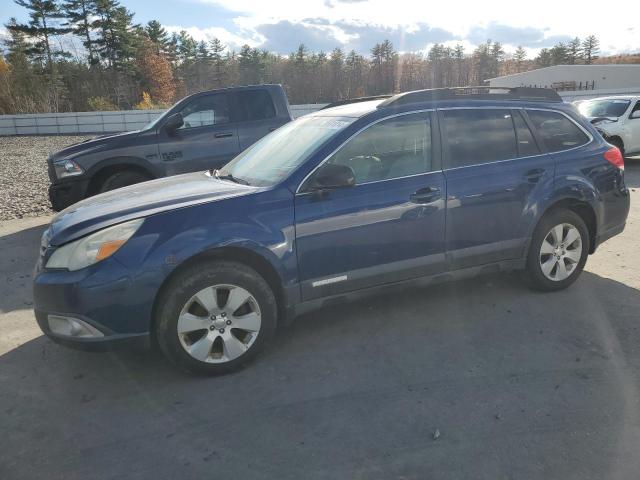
column 109, row 248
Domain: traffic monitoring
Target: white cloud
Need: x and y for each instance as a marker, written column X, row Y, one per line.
column 231, row 40
column 556, row 19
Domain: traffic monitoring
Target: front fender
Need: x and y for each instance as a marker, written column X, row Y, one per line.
column 141, row 163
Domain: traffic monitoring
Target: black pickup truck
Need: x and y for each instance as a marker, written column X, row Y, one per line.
column 200, row 132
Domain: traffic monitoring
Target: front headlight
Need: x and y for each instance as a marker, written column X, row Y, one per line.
column 67, row 168
column 93, row 248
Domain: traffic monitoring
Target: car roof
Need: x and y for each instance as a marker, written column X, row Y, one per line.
column 517, row 97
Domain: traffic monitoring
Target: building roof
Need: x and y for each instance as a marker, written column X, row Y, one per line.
column 635, row 66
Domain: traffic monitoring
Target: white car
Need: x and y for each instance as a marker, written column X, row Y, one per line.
column 617, row 118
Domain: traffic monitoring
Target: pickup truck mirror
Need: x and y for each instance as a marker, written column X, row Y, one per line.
column 331, row 176
column 635, row 114
column 173, row 123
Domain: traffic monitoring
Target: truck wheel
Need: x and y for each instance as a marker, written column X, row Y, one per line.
column 122, row 179
column 558, row 251
column 216, row 317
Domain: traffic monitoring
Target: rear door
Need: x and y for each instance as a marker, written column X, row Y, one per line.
column 207, row 139
column 256, row 115
column 495, row 172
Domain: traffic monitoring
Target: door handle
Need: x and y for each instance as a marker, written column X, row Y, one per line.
column 534, row 175
column 223, row 135
column 425, row 195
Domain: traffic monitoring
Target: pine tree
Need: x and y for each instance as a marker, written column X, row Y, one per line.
column 483, row 62
column 519, row 57
column 590, row 49
column 356, row 70
column 559, row 54
column 217, row 61
column 336, row 74
column 117, row 40
column 574, row 51
column 458, row 56
column 187, row 48
column 43, row 26
column 544, row 58
column 79, row 15
column 155, row 32
column 497, row 56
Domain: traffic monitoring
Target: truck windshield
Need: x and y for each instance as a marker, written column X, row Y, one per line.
column 275, row 156
column 604, row 108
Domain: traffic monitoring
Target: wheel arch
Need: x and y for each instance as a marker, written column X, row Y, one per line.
column 104, row 169
column 581, row 208
column 239, row 254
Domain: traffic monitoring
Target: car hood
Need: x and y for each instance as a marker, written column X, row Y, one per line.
column 140, row 200
column 93, row 144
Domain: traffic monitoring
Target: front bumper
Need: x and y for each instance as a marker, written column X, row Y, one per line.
column 113, row 305
column 67, row 193
column 109, row 341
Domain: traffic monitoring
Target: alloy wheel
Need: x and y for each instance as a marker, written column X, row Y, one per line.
column 219, row 323
column 560, row 252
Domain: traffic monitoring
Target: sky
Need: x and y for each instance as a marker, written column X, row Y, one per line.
column 281, row 25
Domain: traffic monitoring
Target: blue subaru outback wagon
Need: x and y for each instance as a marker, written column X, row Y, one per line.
column 431, row 184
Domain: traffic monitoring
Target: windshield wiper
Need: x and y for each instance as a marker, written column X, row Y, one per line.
column 228, row 176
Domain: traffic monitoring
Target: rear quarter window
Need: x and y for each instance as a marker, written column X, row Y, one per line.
column 557, row 131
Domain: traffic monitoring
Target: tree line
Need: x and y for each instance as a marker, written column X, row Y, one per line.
column 123, row 65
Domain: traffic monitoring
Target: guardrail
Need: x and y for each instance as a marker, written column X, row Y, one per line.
column 79, row 123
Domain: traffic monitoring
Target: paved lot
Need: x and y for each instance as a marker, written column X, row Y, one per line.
column 520, row 385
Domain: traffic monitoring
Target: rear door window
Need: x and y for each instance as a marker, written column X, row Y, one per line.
column 476, row 136
column 557, row 131
column 255, row 105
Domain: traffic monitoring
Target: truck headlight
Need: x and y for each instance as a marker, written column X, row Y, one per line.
column 94, row 247
column 67, row 168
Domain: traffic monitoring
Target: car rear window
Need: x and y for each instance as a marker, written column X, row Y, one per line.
column 557, row 131
column 476, row 136
column 255, row 105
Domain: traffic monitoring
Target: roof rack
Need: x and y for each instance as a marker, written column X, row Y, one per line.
column 473, row 93
column 356, row 100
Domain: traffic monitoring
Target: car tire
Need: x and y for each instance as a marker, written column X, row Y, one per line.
column 199, row 330
column 558, row 251
column 122, row 179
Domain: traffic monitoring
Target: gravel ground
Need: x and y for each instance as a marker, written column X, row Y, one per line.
column 24, row 181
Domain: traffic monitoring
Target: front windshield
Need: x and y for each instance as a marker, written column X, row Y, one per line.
column 604, row 108
column 278, row 154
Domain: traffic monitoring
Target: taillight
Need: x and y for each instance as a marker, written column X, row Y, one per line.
column 614, row 157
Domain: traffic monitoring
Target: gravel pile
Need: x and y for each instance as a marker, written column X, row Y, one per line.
column 24, row 181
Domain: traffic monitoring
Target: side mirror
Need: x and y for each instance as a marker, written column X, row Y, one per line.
column 635, row 114
column 173, row 123
column 331, row 176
